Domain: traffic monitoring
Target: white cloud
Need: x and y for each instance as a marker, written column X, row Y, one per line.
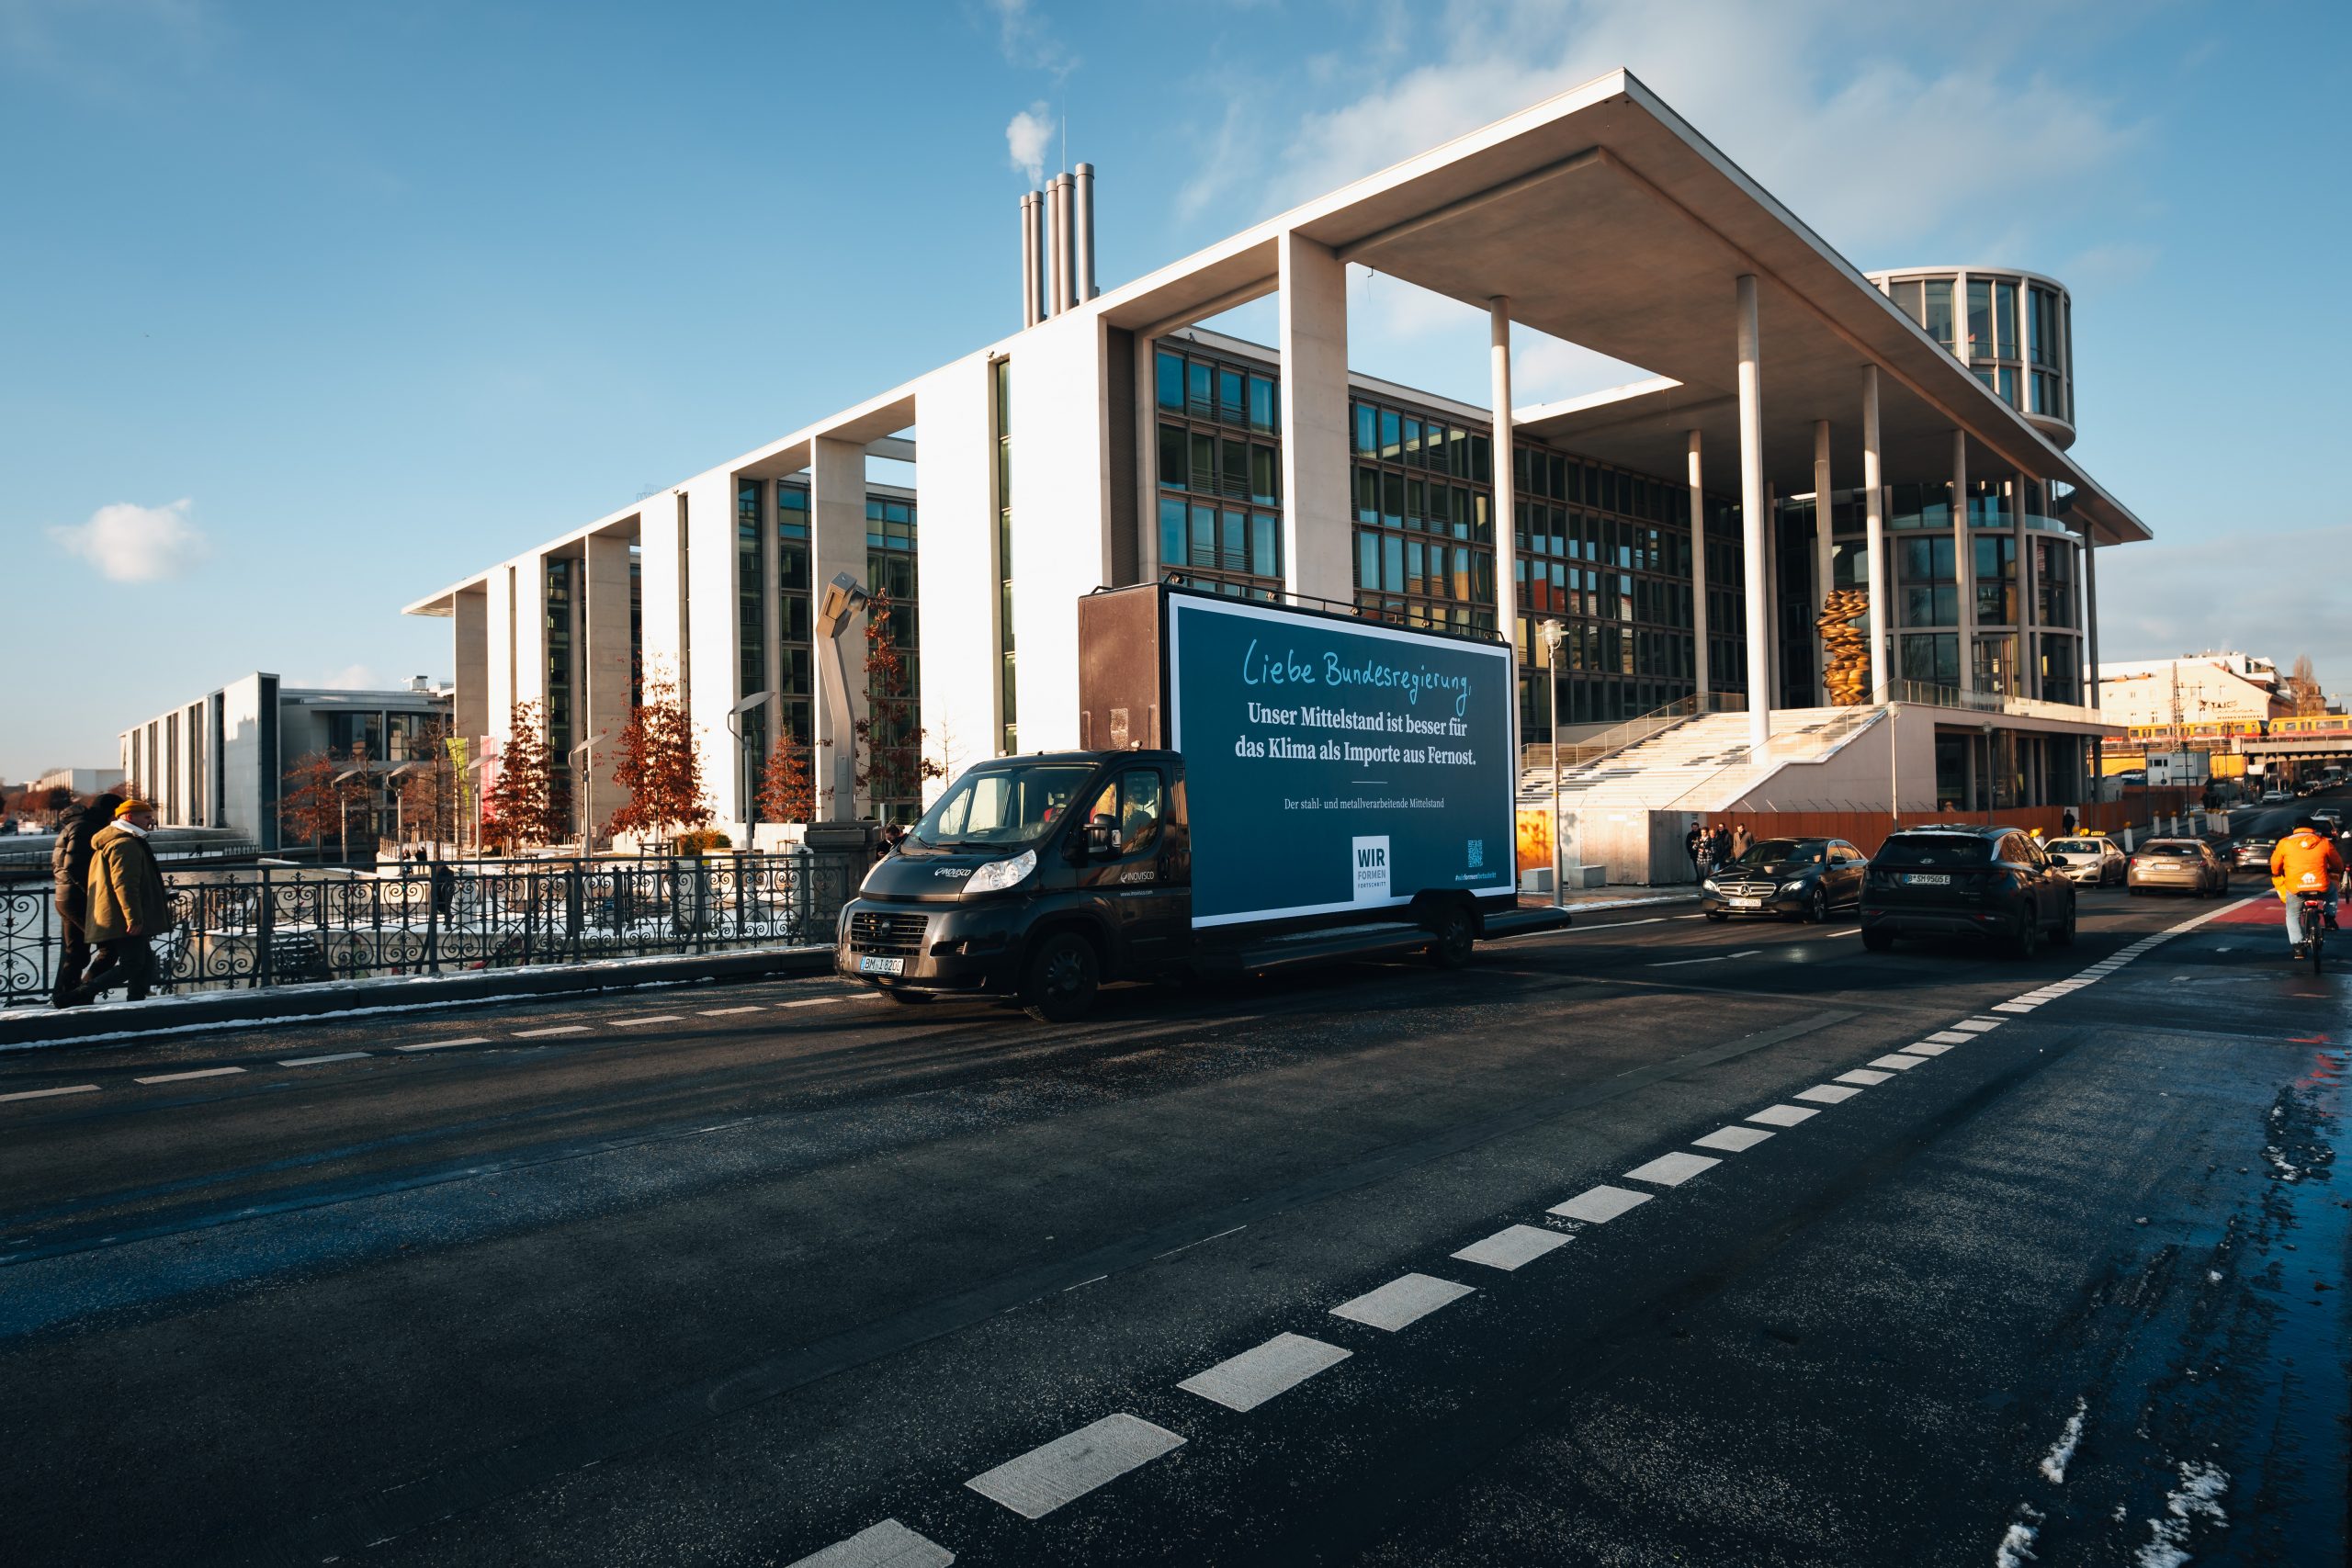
column 130, row 543
column 1026, row 38
column 1028, row 138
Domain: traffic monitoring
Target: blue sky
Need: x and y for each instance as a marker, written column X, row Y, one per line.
column 312, row 308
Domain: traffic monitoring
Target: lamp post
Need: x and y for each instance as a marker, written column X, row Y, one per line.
column 475, row 768
column 399, row 812
column 736, row 717
column 1553, row 632
column 585, row 768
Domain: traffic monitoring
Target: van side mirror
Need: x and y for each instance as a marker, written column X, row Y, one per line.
column 1103, row 834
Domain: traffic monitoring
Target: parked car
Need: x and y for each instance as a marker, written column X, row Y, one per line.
column 2275, row 796
column 2177, row 865
column 1804, row 877
column 1989, row 884
column 2094, row 857
column 2254, row 853
column 2332, row 816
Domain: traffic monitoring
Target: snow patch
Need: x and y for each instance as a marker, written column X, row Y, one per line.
column 2054, row 1463
column 2200, row 1484
column 2016, row 1548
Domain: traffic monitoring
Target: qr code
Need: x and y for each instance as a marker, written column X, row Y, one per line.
column 1477, row 853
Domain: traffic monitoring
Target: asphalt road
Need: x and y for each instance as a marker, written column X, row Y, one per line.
column 730, row 1275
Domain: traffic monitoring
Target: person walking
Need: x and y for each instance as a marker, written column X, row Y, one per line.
column 1719, row 845
column 1694, row 843
column 2066, row 823
column 1739, row 841
column 68, row 869
column 128, row 906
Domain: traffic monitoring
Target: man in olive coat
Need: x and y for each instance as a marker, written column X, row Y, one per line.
column 69, row 868
column 128, row 906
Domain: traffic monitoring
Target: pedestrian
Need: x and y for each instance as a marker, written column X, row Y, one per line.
column 2066, row 823
column 1694, row 843
column 1719, row 845
column 69, row 867
column 128, row 906
column 1739, row 841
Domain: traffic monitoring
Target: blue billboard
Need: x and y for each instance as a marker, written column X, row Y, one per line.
column 1333, row 765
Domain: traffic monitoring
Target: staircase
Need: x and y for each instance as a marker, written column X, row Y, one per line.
column 1699, row 763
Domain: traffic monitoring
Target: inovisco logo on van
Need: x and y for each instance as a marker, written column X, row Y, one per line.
column 953, row 870
column 1372, row 868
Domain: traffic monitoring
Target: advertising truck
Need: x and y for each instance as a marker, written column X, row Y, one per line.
column 1256, row 787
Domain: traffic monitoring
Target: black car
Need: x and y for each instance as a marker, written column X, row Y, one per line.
column 1990, row 884
column 2254, row 852
column 1805, row 877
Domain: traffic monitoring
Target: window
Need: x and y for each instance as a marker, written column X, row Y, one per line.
column 1134, row 800
column 1938, row 316
column 1219, row 443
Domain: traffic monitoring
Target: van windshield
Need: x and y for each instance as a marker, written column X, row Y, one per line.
column 1935, row 849
column 991, row 808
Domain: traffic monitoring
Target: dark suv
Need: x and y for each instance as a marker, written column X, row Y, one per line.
column 1992, row 884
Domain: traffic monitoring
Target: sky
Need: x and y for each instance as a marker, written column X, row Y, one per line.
column 308, row 310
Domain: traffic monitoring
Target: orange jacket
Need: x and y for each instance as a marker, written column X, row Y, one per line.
column 2303, row 861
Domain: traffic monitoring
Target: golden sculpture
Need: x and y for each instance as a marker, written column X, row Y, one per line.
column 1846, row 647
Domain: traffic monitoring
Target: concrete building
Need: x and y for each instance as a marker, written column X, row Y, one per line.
column 81, row 780
column 2201, row 688
column 1806, row 427
column 221, row 760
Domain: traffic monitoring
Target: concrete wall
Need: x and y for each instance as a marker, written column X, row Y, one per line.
column 504, row 648
column 470, row 650
column 602, row 662
column 1062, row 547
column 710, row 635
column 242, row 762
column 1317, row 517
column 1858, row 776
column 955, row 558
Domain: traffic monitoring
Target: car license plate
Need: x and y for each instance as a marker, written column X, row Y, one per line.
column 1742, row 901
column 1925, row 879
column 881, row 965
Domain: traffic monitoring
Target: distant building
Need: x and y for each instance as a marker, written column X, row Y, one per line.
column 221, row 760
column 81, row 780
column 2202, row 688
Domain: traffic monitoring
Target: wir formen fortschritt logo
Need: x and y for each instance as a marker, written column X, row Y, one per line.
column 1372, row 868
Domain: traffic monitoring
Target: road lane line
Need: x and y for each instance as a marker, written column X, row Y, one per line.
column 1977, row 1025
column 723, row 1012
column 1678, row 962
column 199, row 1073
column 445, row 1044
column 1512, row 1246
column 1599, row 1205
column 557, row 1029
column 1828, row 1093
column 1403, row 1301
column 2014, row 1007
column 1732, row 1140
column 1203, row 1242
column 1784, row 1115
column 650, row 1017
column 1864, row 1078
column 1951, row 1036
column 814, row 1001
column 316, row 1061
column 1247, row 1381
column 48, row 1093
column 1070, row 1467
column 1927, row 1048
column 1897, row 1062
column 1672, row 1170
column 886, row 1545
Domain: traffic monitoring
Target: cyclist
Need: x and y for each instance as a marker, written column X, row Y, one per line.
column 2303, row 861
column 2325, row 828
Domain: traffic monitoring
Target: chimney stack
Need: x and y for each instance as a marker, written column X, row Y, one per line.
column 1082, row 276
column 1056, row 244
column 1029, row 259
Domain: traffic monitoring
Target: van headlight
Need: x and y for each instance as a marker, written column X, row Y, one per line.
column 999, row 874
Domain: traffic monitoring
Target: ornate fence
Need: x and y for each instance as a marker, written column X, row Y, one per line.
column 275, row 925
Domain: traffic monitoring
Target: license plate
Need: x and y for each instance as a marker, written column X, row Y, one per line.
column 1743, row 902
column 881, row 965
column 1925, row 879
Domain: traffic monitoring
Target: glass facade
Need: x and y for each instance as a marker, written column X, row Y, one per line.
column 2014, row 330
column 1424, row 518
column 1219, row 470
column 561, row 575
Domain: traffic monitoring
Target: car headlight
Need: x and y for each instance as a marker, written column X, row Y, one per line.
column 1709, row 886
column 1797, row 886
column 999, row 874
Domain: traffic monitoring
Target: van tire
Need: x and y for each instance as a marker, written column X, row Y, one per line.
column 1453, row 936
column 1058, row 983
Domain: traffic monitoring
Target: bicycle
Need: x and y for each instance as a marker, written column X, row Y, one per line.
column 2314, row 922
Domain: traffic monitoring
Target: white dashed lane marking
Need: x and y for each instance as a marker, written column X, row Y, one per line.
column 1899, row 1063
column 1403, row 1301
column 723, row 1012
column 1247, row 1381
column 318, row 1061
column 1977, row 1025
column 1599, row 1205
column 1512, row 1246
column 199, row 1073
column 1864, row 1078
column 655, row 1017
column 1672, row 1170
column 1951, row 1037
column 1732, row 1140
column 886, row 1545
column 814, row 1001
column 1783, row 1115
column 52, row 1093
column 445, row 1044
column 554, row 1029
column 1924, row 1048
column 1828, row 1093
column 1070, row 1467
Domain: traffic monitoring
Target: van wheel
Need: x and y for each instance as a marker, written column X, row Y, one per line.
column 1062, row 976
column 1452, row 937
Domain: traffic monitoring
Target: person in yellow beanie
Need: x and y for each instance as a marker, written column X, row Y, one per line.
column 127, row 903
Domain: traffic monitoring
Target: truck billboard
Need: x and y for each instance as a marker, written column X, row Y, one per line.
column 1336, row 764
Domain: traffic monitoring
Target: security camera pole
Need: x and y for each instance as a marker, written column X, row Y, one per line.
column 842, row 598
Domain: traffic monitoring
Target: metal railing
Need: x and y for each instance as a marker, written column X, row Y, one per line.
column 1926, row 694
column 275, row 925
column 1633, row 731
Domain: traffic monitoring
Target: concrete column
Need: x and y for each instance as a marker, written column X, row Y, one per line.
column 1772, row 590
column 469, row 639
column 837, row 527
column 771, row 614
column 603, row 659
column 2028, row 660
column 501, row 686
column 1753, row 532
column 1317, row 529
column 1824, row 567
column 1963, row 563
column 2090, row 618
column 1698, row 574
column 1874, row 535
column 1506, row 477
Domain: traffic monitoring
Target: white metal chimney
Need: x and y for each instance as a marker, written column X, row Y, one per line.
column 1056, row 244
column 1083, row 277
column 1029, row 259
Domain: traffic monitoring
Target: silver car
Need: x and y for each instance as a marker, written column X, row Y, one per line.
column 2177, row 865
column 2093, row 858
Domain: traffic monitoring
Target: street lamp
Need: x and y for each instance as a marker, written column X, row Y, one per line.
column 585, row 767
column 400, row 813
column 343, row 810
column 475, row 768
column 1553, row 632
column 843, row 597
column 735, row 717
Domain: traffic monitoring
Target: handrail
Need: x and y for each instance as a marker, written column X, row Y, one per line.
column 1633, row 731
column 1928, row 694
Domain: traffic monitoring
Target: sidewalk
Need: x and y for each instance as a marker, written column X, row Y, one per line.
column 1579, row 900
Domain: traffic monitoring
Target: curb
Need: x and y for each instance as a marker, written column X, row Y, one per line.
column 291, row 1004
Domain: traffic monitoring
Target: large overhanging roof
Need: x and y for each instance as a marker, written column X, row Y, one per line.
column 1609, row 222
